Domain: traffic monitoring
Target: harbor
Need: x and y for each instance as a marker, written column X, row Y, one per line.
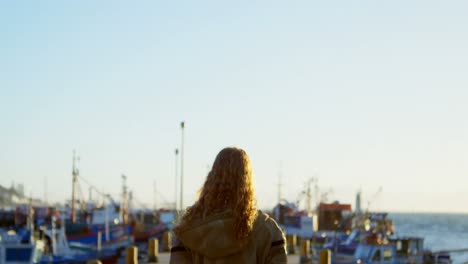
column 205, row 131
column 117, row 232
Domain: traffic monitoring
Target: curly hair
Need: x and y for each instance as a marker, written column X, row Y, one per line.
column 228, row 186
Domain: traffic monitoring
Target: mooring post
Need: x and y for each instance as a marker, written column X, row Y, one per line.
column 132, row 255
column 291, row 242
column 325, row 256
column 305, row 252
column 167, row 242
column 94, row 261
column 153, row 251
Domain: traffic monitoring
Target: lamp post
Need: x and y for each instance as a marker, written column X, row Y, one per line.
column 182, row 126
column 175, row 178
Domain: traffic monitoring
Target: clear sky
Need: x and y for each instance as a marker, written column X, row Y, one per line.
column 361, row 94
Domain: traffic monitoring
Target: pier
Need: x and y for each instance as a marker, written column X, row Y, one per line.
column 151, row 254
column 165, row 257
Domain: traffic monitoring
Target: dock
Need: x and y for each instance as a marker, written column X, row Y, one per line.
column 152, row 254
column 165, row 257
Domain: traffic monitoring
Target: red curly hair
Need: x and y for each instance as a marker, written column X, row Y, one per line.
column 228, row 186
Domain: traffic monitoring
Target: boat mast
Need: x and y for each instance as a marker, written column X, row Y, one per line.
column 280, row 175
column 45, row 191
column 129, row 204
column 124, row 199
column 155, row 196
column 309, row 196
column 75, row 178
column 30, row 219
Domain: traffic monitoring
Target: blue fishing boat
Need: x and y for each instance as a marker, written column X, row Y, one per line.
column 376, row 243
column 58, row 249
column 91, row 225
column 391, row 254
column 20, row 248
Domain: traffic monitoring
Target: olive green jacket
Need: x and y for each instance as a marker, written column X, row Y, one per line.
column 212, row 240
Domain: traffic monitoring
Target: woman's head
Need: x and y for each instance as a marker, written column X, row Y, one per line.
column 228, row 186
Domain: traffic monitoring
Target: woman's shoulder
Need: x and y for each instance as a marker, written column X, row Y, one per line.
column 265, row 223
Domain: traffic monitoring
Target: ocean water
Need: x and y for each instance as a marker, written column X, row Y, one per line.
column 440, row 231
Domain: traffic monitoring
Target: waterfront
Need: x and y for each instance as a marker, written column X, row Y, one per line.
column 440, row 231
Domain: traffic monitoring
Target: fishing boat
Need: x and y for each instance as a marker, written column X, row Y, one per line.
column 151, row 224
column 105, row 228
column 397, row 251
column 103, row 225
column 353, row 236
column 58, row 250
column 373, row 241
column 91, row 224
column 20, row 247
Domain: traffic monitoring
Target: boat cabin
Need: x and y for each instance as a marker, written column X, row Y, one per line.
column 332, row 216
column 16, row 250
column 383, row 254
column 409, row 248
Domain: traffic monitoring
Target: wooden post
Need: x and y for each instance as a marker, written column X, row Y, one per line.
column 167, row 242
column 99, row 240
column 153, row 251
column 291, row 242
column 132, row 255
column 314, row 245
column 37, row 235
column 94, row 261
column 325, row 256
column 305, row 252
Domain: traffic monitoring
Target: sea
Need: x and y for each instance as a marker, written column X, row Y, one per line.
column 440, row 231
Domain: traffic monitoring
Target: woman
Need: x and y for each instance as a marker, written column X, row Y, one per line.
column 224, row 226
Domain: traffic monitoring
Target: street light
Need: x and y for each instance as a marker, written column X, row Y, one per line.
column 175, row 178
column 182, row 126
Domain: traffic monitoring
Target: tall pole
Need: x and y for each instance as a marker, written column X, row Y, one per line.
column 90, row 194
column 182, row 126
column 279, row 181
column 130, row 201
column 308, row 195
column 30, row 219
column 155, row 196
column 175, row 178
column 45, row 191
column 75, row 178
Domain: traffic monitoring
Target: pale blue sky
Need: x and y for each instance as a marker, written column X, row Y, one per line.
column 363, row 94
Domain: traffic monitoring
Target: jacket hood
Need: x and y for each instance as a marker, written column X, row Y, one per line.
column 212, row 237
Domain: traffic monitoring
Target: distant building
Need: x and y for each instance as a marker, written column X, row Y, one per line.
column 12, row 196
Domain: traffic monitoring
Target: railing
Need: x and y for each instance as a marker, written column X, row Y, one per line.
column 437, row 253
